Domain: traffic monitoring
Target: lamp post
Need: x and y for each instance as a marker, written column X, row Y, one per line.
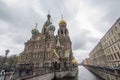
column 6, row 53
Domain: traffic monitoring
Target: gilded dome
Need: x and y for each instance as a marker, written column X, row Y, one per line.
column 51, row 27
column 35, row 31
column 74, row 61
column 62, row 21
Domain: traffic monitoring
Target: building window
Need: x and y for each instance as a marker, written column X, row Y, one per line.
column 115, row 47
column 109, row 50
column 112, row 57
column 119, row 34
column 112, row 40
column 40, row 45
column 112, row 49
column 115, row 56
column 65, row 31
column 44, row 30
column 118, row 55
column 109, row 43
column 115, row 38
column 112, row 31
column 108, row 57
column 61, row 31
column 48, row 44
column 109, row 34
column 118, row 46
column 116, row 28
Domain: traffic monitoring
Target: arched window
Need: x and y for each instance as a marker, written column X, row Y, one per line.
column 61, row 31
column 44, row 30
column 65, row 31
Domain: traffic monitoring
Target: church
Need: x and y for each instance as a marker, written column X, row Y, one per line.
column 45, row 47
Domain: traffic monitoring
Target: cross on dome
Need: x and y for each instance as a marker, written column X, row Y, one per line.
column 62, row 20
column 36, row 24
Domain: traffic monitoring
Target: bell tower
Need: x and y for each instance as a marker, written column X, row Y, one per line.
column 63, row 31
column 63, row 35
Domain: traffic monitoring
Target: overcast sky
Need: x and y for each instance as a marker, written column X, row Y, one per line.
column 87, row 21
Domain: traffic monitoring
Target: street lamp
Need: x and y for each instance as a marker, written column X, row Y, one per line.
column 6, row 53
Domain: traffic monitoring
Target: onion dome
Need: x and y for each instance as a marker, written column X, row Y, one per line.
column 51, row 27
column 62, row 21
column 74, row 61
column 35, row 30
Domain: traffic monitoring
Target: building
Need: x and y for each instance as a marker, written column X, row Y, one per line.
column 111, row 45
column 107, row 51
column 86, row 61
column 97, row 56
column 44, row 47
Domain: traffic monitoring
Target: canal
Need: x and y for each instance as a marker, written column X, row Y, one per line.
column 84, row 74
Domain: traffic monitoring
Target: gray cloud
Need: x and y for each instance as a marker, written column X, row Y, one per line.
column 5, row 13
column 80, row 41
column 18, row 20
column 111, row 10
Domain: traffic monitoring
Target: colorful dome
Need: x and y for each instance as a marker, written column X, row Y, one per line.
column 74, row 61
column 51, row 27
column 35, row 31
column 62, row 21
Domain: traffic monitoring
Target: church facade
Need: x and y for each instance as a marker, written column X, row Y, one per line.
column 46, row 47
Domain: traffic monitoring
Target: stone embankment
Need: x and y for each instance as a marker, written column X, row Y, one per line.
column 52, row 75
column 106, row 73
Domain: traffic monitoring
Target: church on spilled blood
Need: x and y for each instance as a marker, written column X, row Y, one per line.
column 44, row 48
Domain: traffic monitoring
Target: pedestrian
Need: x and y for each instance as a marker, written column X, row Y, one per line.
column 33, row 70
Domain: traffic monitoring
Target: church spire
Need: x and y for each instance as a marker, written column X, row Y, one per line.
column 62, row 16
column 36, row 24
column 48, row 22
column 62, row 21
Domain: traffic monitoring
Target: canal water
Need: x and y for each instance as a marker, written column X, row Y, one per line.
column 83, row 74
